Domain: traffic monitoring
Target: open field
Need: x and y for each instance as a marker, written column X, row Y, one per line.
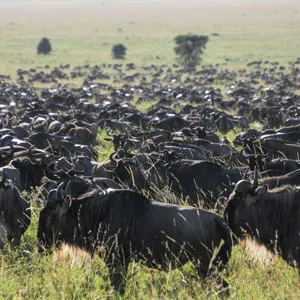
column 84, row 32
column 72, row 275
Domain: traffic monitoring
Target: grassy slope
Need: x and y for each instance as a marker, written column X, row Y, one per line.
column 86, row 33
column 72, row 275
column 81, row 34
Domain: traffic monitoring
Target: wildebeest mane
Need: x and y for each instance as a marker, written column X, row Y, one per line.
column 267, row 213
column 108, row 212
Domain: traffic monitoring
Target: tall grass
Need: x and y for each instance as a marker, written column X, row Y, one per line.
column 69, row 273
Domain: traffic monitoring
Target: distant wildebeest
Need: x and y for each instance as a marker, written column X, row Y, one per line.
column 15, row 214
column 271, row 217
column 130, row 227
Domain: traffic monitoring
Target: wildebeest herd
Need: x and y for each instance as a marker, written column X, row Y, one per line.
column 185, row 149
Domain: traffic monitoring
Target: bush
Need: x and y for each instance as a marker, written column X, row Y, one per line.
column 44, row 46
column 118, row 51
column 189, row 49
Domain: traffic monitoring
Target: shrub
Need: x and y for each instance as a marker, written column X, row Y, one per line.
column 118, row 51
column 44, row 46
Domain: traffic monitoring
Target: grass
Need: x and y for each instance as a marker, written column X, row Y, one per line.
column 104, row 148
column 71, row 274
column 251, row 31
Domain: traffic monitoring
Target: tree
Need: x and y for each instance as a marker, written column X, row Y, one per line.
column 118, row 51
column 189, row 48
column 44, row 46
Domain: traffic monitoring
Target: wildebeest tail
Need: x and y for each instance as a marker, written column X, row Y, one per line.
column 224, row 252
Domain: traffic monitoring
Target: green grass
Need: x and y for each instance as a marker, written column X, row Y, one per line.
column 104, row 148
column 247, row 32
column 71, row 274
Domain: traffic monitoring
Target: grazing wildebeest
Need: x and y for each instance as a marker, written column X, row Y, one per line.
column 131, row 227
column 15, row 214
column 292, row 178
column 271, row 217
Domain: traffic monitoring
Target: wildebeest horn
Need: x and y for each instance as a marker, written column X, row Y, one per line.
column 67, row 189
column 52, row 196
column 243, row 154
column 255, row 179
column 243, row 187
column 108, row 132
column 168, row 165
column 32, row 158
column 73, row 172
column 112, row 158
column 246, row 173
column 60, row 193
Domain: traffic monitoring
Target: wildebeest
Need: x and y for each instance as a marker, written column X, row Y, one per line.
column 130, row 227
column 15, row 213
column 271, row 217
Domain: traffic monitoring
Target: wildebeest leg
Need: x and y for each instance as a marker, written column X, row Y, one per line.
column 117, row 272
column 202, row 269
column 204, row 272
column 15, row 241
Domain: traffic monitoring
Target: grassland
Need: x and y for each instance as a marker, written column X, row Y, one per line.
column 84, row 32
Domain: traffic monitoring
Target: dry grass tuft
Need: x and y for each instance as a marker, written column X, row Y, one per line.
column 257, row 253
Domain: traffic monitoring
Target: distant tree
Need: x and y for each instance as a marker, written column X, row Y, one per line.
column 44, row 46
column 118, row 51
column 189, row 48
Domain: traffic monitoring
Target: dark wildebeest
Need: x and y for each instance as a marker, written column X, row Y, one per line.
column 271, row 217
column 15, row 214
column 202, row 176
column 131, row 227
column 292, row 178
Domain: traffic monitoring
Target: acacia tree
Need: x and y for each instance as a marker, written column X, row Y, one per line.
column 189, row 48
column 118, row 51
column 44, row 46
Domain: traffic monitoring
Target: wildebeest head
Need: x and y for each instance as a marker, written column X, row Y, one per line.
column 130, row 173
column 51, row 220
column 15, row 213
column 243, row 189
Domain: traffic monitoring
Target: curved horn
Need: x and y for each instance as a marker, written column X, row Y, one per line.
column 108, row 132
column 112, row 158
column 33, row 159
column 67, row 189
column 245, row 174
column 73, row 172
column 60, row 193
column 243, row 154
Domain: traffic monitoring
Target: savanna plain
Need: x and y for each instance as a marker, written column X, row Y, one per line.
column 83, row 32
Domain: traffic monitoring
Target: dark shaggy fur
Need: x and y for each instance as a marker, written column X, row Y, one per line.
column 131, row 227
column 271, row 217
column 30, row 174
column 15, row 213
